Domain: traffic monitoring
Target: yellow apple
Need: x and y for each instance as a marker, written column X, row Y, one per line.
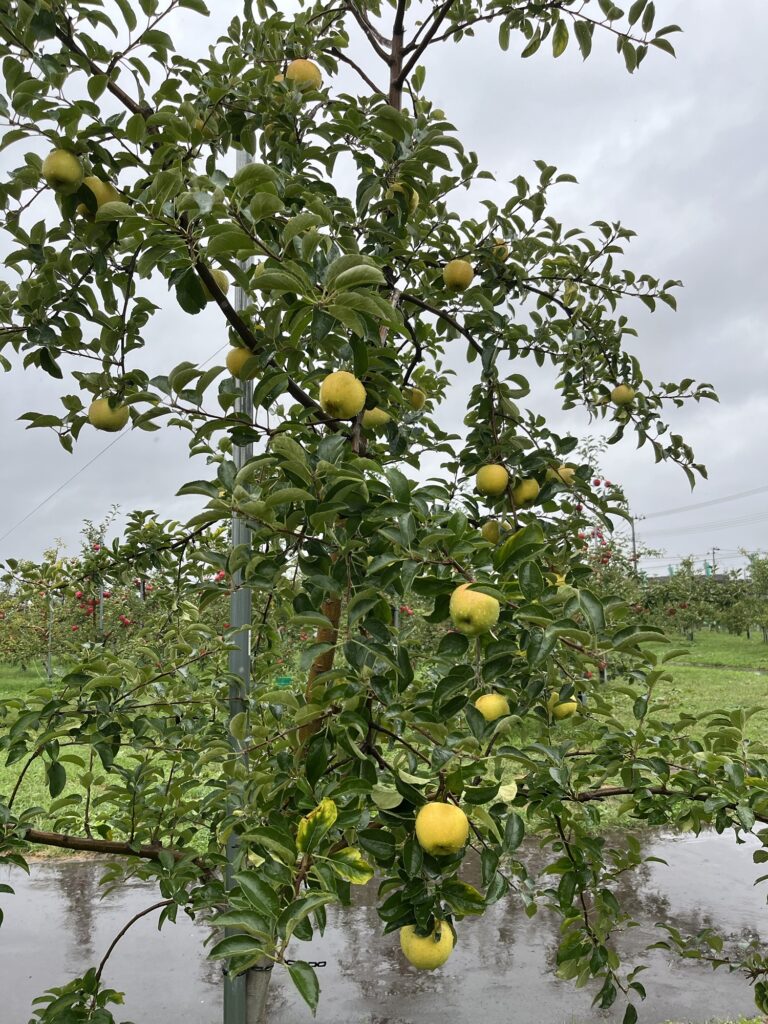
column 415, row 397
column 103, row 192
column 562, row 710
column 342, row 395
column 236, row 360
column 62, row 171
column 623, row 394
column 442, row 829
column 492, row 480
column 376, row 418
column 458, row 275
column 305, row 73
column 101, row 416
column 500, row 249
column 426, row 952
column 491, row 531
column 525, row 492
column 492, row 706
column 410, row 193
column 473, row 613
column 221, row 280
column 563, row 474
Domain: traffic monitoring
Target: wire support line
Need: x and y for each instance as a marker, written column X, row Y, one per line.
column 98, row 455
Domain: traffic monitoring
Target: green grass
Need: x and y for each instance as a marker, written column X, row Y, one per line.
column 33, row 792
column 724, row 649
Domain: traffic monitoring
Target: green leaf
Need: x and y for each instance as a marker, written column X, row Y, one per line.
column 305, row 980
column 514, row 830
column 57, row 778
column 636, row 10
column 560, row 38
column 531, row 581
column 288, row 495
column 279, row 281
column 96, row 85
column 379, row 843
column 235, row 945
column 297, row 225
column 583, row 32
column 230, row 242
column 115, row 210
column 592, row 608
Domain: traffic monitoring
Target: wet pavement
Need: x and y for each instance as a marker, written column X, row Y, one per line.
column 501, row 972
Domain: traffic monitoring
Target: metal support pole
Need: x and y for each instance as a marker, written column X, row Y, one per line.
column 243, row 996
column 49, row 662
column 634, row 545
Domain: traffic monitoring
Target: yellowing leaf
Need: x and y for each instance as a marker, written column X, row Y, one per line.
column 315, row 825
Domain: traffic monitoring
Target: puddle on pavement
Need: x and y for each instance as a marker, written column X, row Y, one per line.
column 501, row 973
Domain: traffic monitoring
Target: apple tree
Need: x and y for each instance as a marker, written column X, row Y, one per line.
column 364, row 301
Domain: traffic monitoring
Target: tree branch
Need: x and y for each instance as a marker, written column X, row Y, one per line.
column 121, row 933
column 339, row 55
column 419, row 48
column 108, row 846
column 407, row 297
column 377, row 41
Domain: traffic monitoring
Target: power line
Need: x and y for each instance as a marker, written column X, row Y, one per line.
column 719, row 524
column 82, row 469
column 705, row 504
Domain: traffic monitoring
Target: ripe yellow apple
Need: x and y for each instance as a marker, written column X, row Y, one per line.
column 491, row 531
column 563, row 474
column 458, row 275
column 500, row 249
column 305, row 73
column 207, row 125
column 221, row 280
column 623, row 394
column 492, row 706
column 426, row 952
column 473, row 613
column 342, row 395
column 562, row 710
column 62, row 171
column 103, row 192
column 410, row 193
column 441, row 828
column 415, row 397
column 236, row 360
column 492, row 480
column 104, row 418
column 525, row 492
column 376, row 418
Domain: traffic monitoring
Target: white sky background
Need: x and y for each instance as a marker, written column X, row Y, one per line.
column 678, row 151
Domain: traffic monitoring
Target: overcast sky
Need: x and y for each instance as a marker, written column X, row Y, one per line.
column 678, row 151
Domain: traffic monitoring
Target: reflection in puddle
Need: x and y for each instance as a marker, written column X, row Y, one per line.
column 57, row 925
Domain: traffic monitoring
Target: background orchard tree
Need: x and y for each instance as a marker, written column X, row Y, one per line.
column 341, row 233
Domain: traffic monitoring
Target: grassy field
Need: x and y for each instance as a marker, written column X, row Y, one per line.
column 722, row 671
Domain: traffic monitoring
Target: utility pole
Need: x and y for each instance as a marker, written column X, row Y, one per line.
column 714, row 563
column 245, row 997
